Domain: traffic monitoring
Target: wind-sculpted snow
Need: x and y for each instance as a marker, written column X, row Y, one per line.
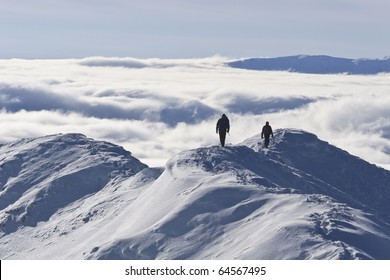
column 40, row 176
column 248, row 203
column 351, row 176
column 300, row 199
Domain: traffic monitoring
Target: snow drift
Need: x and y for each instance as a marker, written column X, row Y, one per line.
column 69, row 197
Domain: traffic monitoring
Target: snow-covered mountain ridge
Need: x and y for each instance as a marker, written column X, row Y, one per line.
column 70, row 197
column 40, row 176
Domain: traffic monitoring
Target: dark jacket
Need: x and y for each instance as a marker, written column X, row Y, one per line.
column 223, row 124
column 267, row 131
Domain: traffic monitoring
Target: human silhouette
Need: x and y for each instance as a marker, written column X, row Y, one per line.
column 266, row 133
column 223, row 127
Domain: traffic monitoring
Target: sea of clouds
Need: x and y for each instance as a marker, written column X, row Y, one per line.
column 156, row 108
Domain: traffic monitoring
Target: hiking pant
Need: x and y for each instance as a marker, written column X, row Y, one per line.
column 266, row 140
column 222, row 137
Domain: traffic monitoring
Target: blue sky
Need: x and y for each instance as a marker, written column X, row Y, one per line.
column 188, row 29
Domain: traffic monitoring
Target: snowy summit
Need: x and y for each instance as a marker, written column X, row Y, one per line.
column 71, row 197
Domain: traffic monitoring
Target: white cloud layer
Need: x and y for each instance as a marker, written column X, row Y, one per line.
column 157, row 107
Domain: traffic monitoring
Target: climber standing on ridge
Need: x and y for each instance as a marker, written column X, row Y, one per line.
column 266, row 133
column 223, row 126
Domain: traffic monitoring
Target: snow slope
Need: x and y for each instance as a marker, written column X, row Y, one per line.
column 315, row 64
column 54, row 185
column 300, row 199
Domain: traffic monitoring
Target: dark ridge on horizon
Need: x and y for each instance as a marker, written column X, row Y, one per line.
column 315, row 64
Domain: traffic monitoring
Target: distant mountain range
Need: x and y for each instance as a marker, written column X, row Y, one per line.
column 71, row 197
column 315, row 64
